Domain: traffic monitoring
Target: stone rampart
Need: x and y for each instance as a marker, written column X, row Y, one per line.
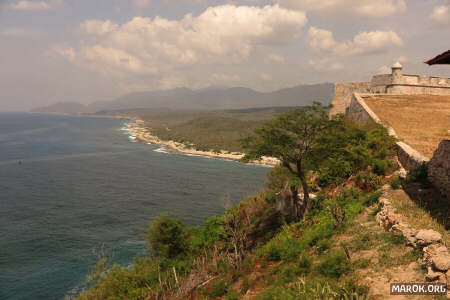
column 381, row 80
column 343, row 93
column 439, row 168
column 409, row 157
column 426, row 80
column 360, row 112
column 416, row 89
column 395, row 83
column 347, row 100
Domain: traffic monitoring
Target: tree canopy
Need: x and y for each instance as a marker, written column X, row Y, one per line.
column 293, row 138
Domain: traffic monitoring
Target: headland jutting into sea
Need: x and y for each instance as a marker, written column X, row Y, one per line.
column 141, row 132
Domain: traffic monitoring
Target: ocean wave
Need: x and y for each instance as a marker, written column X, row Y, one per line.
column 161, row 149
column 260, row 165
column 196, row 155
column 208, row 157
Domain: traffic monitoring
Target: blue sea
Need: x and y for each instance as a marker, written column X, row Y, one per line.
column 71, row 185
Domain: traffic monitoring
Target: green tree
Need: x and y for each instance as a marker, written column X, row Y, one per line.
column 292, row 138
column 166, row 236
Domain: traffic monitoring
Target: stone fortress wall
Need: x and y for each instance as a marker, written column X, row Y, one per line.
column 347, row 100
column 394, row 83
column 343, row 93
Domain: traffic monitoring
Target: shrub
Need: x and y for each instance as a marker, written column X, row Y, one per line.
column 362, row 263
column 323, row 245
column 270, row 197
column 312, row 289
column 166, row 236
column 395, row 182
column 334, row 265
column 278, row 293
column 273, row 254
column 351, row 148
column 419, row 174
column 218, row 288
column 304, row 265
column 380, row 166
column 393, row 239
column 368, row 181
column 232, row 295
column 371, row 199
column 316, row 204
column 288, row 273
column 284, row 246
column 334, row 171
column 314, row 235
column 382, row 153
column 212, row 232
column 278, row 177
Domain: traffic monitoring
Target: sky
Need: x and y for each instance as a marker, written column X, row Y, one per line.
column 84, row 50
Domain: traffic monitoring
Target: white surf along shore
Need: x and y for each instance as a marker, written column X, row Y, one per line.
column 140, row 132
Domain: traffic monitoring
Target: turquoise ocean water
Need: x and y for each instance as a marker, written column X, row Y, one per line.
column 69, row 185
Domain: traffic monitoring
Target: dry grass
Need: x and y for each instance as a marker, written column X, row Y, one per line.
column 416, row 214
column 379, row 258
column 422, row 121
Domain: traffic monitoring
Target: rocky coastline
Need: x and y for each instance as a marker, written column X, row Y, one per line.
column 141, row 132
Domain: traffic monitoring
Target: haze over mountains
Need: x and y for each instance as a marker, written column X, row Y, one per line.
column 210, row 98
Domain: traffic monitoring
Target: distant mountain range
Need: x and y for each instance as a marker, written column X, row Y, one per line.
column 211, row 98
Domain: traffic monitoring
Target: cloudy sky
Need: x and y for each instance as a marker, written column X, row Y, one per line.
column 84, row 50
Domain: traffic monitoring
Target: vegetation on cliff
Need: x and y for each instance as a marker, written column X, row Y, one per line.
column 208, row 130
column 253, row 249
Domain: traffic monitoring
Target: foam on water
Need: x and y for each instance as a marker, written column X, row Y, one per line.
column 161, row 149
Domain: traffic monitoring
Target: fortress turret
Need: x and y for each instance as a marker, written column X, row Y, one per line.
column 397, row 76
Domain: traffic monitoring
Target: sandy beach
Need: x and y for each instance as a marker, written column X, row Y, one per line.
column 142, row 133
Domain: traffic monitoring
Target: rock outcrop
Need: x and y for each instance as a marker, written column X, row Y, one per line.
column 435, row 255
column 439, row 168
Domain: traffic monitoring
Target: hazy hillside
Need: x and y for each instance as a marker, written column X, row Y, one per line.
column 210, row 98
column 65, row 108
column 206, row 129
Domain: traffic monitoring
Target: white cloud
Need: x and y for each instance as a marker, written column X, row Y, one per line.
column 384, row 70
column 160, row 47
column 33, row 5
column 441, row 15
column 19, row 32
column 274, row 58
column 141, row 3
column 363, row 8
column 325, row 64
column 266, row 77
column 62, row 50
column 98, row 27
column 322, row 41
column 402, row 59
column 225, row 78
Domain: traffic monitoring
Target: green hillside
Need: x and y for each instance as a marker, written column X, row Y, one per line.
column 208, row 130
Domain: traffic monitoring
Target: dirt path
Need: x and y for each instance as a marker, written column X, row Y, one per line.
column 384, row 259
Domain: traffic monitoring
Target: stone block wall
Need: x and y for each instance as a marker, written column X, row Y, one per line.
column 426, row 80
column 343, row 93
column 415, row 90
column 360, row 112
column 381, row 80
column 439, row 168
column 409, row 157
